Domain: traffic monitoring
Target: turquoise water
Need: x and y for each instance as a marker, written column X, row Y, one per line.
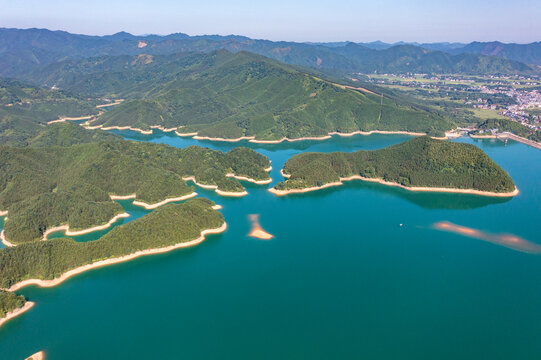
column 340, row 280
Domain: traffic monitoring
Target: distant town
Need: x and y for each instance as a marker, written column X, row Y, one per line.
column 515, row 98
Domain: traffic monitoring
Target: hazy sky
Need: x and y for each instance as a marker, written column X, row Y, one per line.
column 315, row 20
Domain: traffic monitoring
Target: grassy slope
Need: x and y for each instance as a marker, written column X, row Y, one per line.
column 422, row 161
column 46, row 260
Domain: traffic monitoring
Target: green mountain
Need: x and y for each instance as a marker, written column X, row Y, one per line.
column 230, row 95
column 51, row 186
column 25, row 109
column 23, row 50
column 526, row 53
column 420, row 162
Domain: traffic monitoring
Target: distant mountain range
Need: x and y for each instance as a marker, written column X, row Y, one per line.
column 24, row 50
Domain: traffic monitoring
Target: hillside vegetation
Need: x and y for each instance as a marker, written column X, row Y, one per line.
column 229, row 95
column 25, row 109
column 10, row 301
column 169, row 225
column 504, row 125
column 46, row 187
column 420, row 162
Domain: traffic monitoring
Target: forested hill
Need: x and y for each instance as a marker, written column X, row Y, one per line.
column 26, row 109
column 22, row 50
column 420, row 162
column 51, row 186
column 170, row 225
column 227, row 95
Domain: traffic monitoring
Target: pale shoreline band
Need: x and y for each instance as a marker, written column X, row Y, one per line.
column 12, row 314
column 380, row 181
column 215, row 188
column 40, row 355
column 69, row 232
column 68, row 274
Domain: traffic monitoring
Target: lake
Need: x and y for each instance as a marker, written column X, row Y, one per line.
column 356, row 271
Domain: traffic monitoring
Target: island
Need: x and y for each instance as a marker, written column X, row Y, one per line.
column 72, row 188
column 48, row 263
column 12, row 305
column 419, row 164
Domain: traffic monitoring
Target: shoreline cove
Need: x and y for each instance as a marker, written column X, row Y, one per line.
column 101, row 263
column 17, row 312
column 151, row 206
column 388, row 183
column 69, row 232
column 215, row 188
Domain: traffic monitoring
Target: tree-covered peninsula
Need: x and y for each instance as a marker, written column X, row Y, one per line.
column 45, row 187
column 170, row 225
column 10, row 301
column 418, row 163
column 226, row 95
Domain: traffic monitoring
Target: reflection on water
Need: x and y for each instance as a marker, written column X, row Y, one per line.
column 426, row 200
column 508, row 240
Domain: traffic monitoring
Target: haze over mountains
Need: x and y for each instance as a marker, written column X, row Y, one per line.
column 23, row 50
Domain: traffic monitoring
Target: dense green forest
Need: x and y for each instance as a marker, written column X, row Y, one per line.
column 228, row 95
column 168, row 225
column 25, row 109
column 46, row 187
column 422, row 162
column 504, row 125
column 10, row 301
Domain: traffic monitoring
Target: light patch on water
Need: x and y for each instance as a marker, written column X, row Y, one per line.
column 507, row 240
column 257, row 231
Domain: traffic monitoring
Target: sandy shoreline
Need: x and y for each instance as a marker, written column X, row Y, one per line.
column 151, row 206
column 4, row 240
column 110, row 104
column 185, row 134
column 163, row 202
column 12, row 314
column 64, row 119
column 144, row 132
column 3, row 213
column 258, row 182
column 383, row 182
column 40, row 355
column 69, row 232
column 324, row 137
column 215, row 188
column 287, row 176
column 101, row 263
column 161, row 128
column 122, row 197
column 483, row 136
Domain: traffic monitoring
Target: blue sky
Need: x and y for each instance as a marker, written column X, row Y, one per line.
column 316, row 20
